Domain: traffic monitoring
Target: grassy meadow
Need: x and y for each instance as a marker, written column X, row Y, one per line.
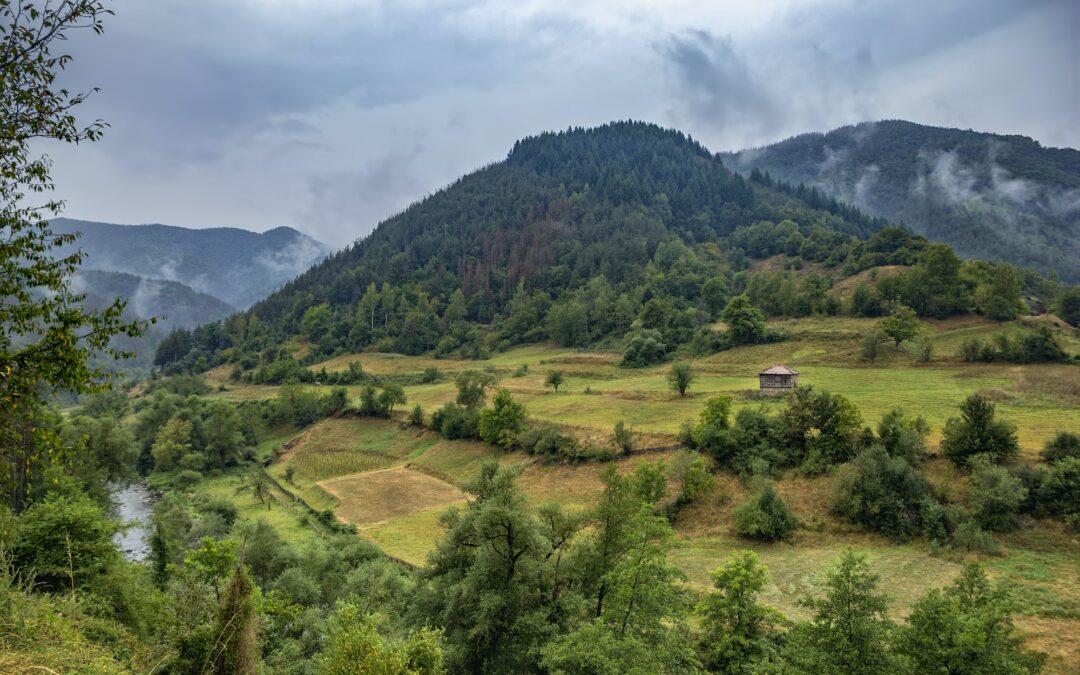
column 1040, row 399
column 393, row 482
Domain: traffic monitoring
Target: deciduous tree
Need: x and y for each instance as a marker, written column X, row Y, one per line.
column 46, row 333
column 554, row 379
column 902, row 324
column 680, row 377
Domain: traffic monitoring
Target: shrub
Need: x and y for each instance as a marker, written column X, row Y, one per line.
column 823, row 427
column 222, row 507
column 547, row 440
column 936, row 524
column 903, row 436
column 996, row 496
column 369, row 402
column 334, row 402
column 430, row 375
column 296, row 406
column 713, row 418
column 501, row 424
column 680, row 378
column 591, row 453
column 882, row 493
column 1059, row 492
column 926, row 349
column 454, row 421
column 472, row 387
column 756, row 444
column 1033, row 346
column 1065, row 444
column 61, row 536
column 650, row 482
column 977, row 432
column 186, row 479
column 643, row 347
column 970, row 537
column 521, row 371
column 416, row 417
column 691, row 475
column 870, row 346
column 707, row 341
column 624, row 438
column 970, row 349
column 685, row 435
column 765, row 516
column 1041, row 346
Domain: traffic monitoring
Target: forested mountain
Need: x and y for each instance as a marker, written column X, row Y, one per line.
column 989, row 196
column 236, row 266
column 578, row 228
column 587, row 236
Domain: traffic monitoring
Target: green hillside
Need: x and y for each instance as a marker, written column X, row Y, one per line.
column 591, row 236
column 990, row 196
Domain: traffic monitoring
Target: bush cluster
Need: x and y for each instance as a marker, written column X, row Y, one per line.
column 1033, row 346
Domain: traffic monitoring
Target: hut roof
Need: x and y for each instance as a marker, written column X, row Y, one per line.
column 778, row 369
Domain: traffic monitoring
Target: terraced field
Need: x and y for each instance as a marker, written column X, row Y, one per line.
column 379, row 496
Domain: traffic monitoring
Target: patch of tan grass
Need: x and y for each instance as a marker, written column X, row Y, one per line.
column 846, row 287
column 379, row 496
column 1053, row 381
column 1057, row 638
column 575, row 484
column 996, row 394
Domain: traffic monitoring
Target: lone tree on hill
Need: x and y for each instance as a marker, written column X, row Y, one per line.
column 255, row 483
column 902, row 324
column 680, row 377
column 554, row 379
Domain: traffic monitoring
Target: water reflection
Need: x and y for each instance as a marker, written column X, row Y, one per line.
column 135, row 506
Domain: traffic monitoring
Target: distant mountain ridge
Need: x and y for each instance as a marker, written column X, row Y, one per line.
column 178, row 305
column 238, row 267
column 988, row 195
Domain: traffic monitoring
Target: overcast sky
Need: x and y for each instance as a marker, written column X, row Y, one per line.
column 328, row 115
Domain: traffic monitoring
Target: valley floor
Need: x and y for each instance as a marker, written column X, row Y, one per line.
column 393, row 481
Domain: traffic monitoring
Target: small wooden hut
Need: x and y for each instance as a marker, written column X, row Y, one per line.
column 778, row 379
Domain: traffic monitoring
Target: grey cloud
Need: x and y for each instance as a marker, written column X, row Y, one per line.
column 332, row 115
column 717, row 85
column 239, row 70
column 826, row 64
column 944, row 176
column 292, row 260
column 354, row 201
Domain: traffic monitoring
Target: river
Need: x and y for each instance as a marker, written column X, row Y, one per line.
column 134, row 506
